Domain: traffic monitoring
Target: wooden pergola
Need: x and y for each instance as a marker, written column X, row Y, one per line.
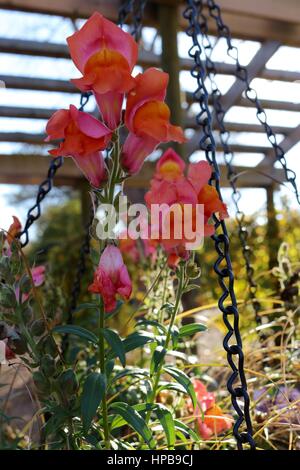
column 271, row 22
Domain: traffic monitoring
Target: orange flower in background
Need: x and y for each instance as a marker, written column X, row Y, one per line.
column 13, row 230
column 210, row 419
column 147, row 118
column 105, row 55
column 214, row 423
column 83, row 139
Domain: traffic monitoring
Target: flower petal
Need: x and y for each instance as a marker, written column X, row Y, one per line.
column 135, row 151
column 98, row 33
column 92, row 166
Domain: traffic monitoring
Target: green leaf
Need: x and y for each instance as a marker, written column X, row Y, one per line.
column 115, row 343
column 166, row 420
column 157, row 358
column 185, row 429
column 131, row 373
column 77, row 331
column 92, row 394
column 191, row 329
column 161, row 328
column 137, row 340
column 183, row 380
column 175, row 387
column 191, row 287
column 86, row 306
column 134, row 420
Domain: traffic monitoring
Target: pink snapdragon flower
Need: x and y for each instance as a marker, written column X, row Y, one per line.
column 83, row 139
column 111, row 278
column 105, row 55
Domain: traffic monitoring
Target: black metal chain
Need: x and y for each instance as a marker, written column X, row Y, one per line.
column 136, row 9
column 45, row 187
column 236, row 384
column 232, row 176
column 81, row 266
column 250, row 93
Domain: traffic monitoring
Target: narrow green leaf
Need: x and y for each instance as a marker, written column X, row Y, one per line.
column 161, row 328
column 185, row 429
column 191, row 329
column 116, row 344
column 77, row 331
column 157, row 358
column 131, row 373
column 134, row 420
column 183, row 380
column 92, row 394
column 86, row 306
column 137, row 340
column 166, row 420
column 175, row 387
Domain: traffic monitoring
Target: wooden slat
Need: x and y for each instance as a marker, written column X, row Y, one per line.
column 39, row 139
column 29, row 169
column 42, row 113
column 249, row 25
column 146, row 58
column 41, row 84
column 267, row 104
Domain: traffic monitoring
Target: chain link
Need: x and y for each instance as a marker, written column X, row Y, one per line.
column 232, row 176
column 251, row 94
column 45, row 187
column 236, row 384
column 136, row 9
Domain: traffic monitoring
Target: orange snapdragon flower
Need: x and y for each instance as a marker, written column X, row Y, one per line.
column 148, row 119
column 83, row 139
column 105, row 55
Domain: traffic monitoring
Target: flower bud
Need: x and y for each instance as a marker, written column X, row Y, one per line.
column 68, row 382
column 7, row 297
column 193, row 271
column 37, row 327
column 27, row 314
column 48, row 365
column 41, row 382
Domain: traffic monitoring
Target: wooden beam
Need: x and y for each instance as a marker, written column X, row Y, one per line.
column 32, row 169
column 146, row 58
column 267, row 104
column 189, row 122
column 192, row 146
column 41, row 84
column 288, row 11
column 256, row 65
column 252, row 25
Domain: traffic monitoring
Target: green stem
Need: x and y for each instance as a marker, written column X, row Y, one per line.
column 102, row 368
column 168, row 337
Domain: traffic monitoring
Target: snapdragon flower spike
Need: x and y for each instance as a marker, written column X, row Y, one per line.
column 111, row 278
column 105, row 55
column 83, row 139
column 147, row 118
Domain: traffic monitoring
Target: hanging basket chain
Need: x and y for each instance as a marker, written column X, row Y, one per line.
column 223, row 267
column 232, row 176
column 242, row 74
column 45, row 187
column 136, row 9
